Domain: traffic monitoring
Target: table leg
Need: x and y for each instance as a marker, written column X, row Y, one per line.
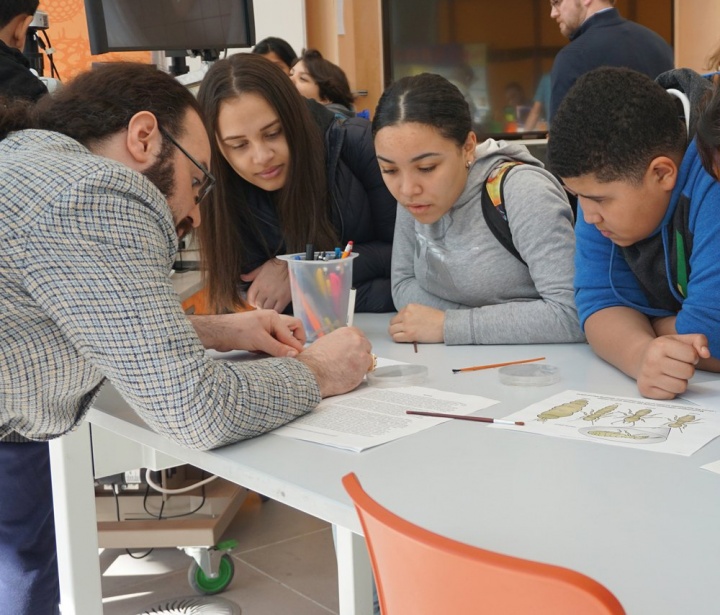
column 354, row 573
column 76, row 523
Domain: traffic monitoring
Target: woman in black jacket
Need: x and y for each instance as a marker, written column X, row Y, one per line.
column 289, row 173
column 319, row 79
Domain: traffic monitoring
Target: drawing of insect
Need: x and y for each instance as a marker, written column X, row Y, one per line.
column 682, row 422
column 598, row 414
column 640, row 415
column 620, row 433
column 563, row 410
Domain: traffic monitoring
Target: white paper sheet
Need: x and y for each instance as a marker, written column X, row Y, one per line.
column 645, row 424
column 370, row 416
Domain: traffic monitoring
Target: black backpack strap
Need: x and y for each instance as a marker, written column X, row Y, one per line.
column 493, row 207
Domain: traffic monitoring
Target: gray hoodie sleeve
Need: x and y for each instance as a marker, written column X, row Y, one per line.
column 541, row 223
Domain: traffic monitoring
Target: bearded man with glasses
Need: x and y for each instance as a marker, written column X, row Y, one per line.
column 99, row 181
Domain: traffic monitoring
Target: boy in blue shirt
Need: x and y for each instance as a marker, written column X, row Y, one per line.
column 647, row 281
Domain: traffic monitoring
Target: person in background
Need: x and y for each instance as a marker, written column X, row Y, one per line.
column 648, row 231
column 289, row 173
column 600, row 37
column 515, row 95
column 452, row 280
column 278, row 51
column 16, row 79
column 540, row 107
column 516, row 107
column 319, row 79
column 28, row 560
column 714, row 66
column 99, row 182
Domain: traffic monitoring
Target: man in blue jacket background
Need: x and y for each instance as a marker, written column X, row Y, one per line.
column 599, row 36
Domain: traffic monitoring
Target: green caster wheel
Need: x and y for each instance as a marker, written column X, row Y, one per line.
column 207, row 586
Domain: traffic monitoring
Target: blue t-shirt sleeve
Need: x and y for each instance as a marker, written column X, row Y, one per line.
column 543, row 91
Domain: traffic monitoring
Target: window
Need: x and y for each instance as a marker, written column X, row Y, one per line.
column 496, row 52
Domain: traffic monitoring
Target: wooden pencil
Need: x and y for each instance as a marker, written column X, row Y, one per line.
column 493, row 365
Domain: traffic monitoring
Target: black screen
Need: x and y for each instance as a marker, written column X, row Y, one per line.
column 156, row 25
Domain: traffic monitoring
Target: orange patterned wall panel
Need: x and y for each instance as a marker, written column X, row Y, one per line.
column 69, row 37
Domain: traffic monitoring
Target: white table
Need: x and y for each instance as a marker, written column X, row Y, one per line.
column 646, row 525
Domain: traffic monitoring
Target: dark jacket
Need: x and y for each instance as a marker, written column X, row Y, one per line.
column 362, row 210
column 16, row 80
column 606, row 39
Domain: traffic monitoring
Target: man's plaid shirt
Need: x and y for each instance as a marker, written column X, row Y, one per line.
column 86, row 246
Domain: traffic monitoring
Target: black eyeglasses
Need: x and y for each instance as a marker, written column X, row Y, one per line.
column 209, row 181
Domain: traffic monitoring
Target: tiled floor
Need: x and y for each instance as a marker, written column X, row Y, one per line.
column 284, row 565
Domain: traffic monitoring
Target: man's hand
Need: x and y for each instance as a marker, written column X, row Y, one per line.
column 669, row 362
column 256, row 330
column 270, row 285
column 418, row 323
column 339, row 360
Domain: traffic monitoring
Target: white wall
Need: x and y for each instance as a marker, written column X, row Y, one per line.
column 696, row 33
column 282, row 18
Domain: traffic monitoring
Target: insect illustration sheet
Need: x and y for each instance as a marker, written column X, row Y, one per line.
column 646, row 424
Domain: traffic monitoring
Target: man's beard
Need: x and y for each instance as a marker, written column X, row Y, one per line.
column 162, row 174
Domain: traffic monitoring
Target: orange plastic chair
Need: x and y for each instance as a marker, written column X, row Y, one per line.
column 421, row 573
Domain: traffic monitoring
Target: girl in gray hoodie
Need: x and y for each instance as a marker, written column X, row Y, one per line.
column 452, row 280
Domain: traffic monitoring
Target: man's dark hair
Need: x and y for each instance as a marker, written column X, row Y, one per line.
column 9, row 9
column 612, row 123
column 99, row 103
column 280, row 47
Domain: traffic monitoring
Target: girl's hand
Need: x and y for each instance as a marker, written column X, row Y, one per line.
column 269, row 285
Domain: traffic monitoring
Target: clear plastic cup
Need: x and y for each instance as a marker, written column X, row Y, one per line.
column 320, row 292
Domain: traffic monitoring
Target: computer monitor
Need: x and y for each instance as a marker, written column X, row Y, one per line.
column 159, row 25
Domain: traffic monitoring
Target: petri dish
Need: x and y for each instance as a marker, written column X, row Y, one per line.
column 529, row 375
column 402, row 375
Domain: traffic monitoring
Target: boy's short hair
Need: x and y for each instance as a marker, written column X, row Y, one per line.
column 9, row 9
column 612, row 124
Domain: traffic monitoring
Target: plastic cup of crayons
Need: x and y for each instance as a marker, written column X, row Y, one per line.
column 320, row 291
